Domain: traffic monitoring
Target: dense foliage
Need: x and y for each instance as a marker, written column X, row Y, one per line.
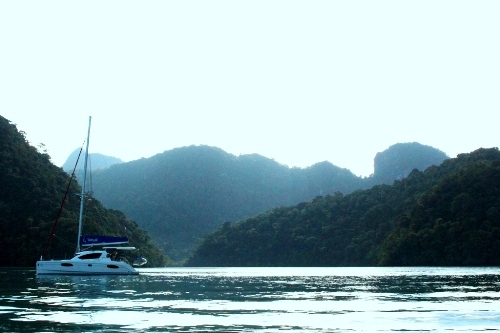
column 446, row 215
column 183, row 194
column 32, row 189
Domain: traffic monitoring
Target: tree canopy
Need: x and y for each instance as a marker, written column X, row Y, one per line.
column 32, row 189
column 445, row 215
column 181, row 195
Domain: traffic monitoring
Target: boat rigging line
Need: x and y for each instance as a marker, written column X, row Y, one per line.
column 63, row 200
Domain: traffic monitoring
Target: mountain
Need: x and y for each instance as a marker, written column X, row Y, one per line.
column 446, row 215
column 400, row 159
column 97, row 161
column 181, row 195
column 30, row 203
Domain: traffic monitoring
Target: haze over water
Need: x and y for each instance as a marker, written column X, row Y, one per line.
column 254, row 300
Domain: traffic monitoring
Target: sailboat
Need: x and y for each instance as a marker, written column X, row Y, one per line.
column 95, row 255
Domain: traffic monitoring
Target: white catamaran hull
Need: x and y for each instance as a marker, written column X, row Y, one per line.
column 68, row 267
column 84, row 264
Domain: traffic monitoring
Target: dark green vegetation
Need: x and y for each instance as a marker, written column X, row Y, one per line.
column 31, row 191
column 178, row 196
column 446, row 215
column 181, row 195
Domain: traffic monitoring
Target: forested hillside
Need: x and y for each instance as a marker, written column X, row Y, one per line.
column 32, row 189
column 181, row 195
column 445, row 215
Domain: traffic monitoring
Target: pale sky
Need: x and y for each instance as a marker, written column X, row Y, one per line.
column 297, row 81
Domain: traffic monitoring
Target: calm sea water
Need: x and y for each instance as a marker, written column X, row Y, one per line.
column 254, row 300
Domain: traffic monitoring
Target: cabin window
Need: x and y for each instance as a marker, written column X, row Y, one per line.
column 112, row 266
column 87, row 256
column 65, row 264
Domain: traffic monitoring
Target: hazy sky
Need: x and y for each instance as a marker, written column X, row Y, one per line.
column 297, row 81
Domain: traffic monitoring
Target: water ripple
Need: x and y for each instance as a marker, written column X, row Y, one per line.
column 255, row 299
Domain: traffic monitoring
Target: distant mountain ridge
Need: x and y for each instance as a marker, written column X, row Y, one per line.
column 98, row 161
column 445, row 212
column 399, row 160
column 447, row 215
column 180, row 195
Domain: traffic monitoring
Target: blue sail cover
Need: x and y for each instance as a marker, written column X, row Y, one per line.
column 102, row 240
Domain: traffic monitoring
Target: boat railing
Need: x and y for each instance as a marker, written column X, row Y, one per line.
column 49, row 257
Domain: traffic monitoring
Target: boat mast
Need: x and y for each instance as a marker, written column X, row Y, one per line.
column 82, row 198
